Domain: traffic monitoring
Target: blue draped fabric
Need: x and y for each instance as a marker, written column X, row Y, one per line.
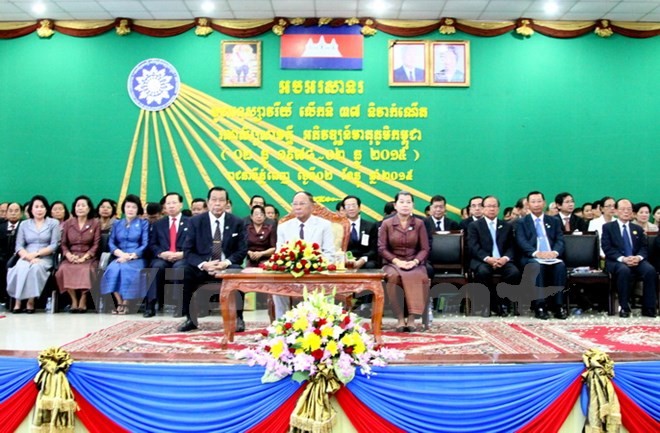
column 641, row 382
column 177, row 398
column 479, row 398
column 14, row 374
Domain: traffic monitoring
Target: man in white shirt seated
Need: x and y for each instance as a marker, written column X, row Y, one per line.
column 307, row 227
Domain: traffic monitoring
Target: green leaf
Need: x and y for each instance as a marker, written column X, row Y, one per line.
column 300, row 376
column 270, row 377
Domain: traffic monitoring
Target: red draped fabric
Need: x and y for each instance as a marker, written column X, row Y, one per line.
column 364, row 420
column 93, row 419
column 278, row 421
column 554, row 416
column 633, row 417
column 16, row 408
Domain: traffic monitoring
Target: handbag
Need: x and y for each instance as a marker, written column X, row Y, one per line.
column 104, row 261
column 13, row 260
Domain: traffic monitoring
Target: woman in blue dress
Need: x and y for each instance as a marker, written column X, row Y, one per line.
column 128, row 239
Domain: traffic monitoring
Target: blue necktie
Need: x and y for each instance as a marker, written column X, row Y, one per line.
column 354, row 234
column 493, row 234
column 540, row 234
column 627, row 245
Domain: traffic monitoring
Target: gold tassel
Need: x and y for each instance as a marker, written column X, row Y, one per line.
column 524, row 29
column 604, row 415
column 313, row 412
column 122, row 29
column 45, row 29
column 324, row 21
column 367, row 28
column 56, row 407
column 279, row 28
column 604, row 30
column 447, row 27
column 203, row 28
column 352, row 21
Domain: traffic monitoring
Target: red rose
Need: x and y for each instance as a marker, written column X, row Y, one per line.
column 267, row 348
column 317, row 354
column 264, row 333
column 303, row 262
column 292, row 350
column 316, row 246
column 332, row 267
column 262, row 265
column 306, row 271
column 287, row 325
column 345, row 322
column 322, row 321
column 348, row 350
column 366, row 326
column 276, row 257
column 317, row 331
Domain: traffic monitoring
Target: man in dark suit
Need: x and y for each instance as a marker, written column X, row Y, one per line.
column 408, row 71
column 476, row 211
column 8, row 230
column 257, row 200
column 569, row 221
column 216, row 240
column 626, row 256
column 492, row 248
column 166, row 241
column 540, row 240
column 437, row 221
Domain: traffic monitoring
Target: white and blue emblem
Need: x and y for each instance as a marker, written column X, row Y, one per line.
column 153, row 84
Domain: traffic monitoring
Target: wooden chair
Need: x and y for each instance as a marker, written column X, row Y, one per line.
column 583, row 251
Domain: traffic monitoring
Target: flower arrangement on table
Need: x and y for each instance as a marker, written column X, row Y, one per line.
column 298, row 258
column 320, row 342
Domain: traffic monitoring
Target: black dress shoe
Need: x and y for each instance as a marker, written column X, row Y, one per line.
column 29, row 311
column 149, row 312
column 503, row 311
column 240, row 325
column 648, row 312
column 624, row 313
column 561, row 314
column 188, row 325
column 516, row 310
column 540, row 313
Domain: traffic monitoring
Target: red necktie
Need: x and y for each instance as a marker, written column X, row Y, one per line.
column 173, row 235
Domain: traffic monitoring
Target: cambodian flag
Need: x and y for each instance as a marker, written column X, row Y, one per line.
column 322, row 48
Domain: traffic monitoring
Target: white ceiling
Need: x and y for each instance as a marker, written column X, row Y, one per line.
column 487, row 10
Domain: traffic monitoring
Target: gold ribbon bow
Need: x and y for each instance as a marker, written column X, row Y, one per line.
column 55, row 407
column 313, row 412
column 604, row 411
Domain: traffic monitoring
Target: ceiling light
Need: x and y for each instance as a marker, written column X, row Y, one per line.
column 379, row 6
column 39, row 8
column 551, row 7
column 208, row 7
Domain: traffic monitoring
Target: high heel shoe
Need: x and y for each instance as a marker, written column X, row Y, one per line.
column 122, row 309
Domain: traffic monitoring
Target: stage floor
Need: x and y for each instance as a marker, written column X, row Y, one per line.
column 453, row 339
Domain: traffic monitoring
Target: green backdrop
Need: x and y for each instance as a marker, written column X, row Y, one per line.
column 580, row 115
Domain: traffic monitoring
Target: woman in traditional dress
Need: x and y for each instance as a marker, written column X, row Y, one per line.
column 261, row 238
column 81, row 236
column 128, row 239
column 404, row 246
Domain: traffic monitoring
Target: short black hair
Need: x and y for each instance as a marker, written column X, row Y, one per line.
column 559, row 198
column 186, row 212
column 585, row 205
column 91, row 213
column 257, row 206
column 400, row 193
column 153, row 208
column 164, row 199
column 219, row 189
column 66, row 211
column 616, row 203
column 638, row 206
column 474, row 198
column 508, row 211
column 438, row 197
column 257, row 196
column 492, row 196
column 132, row 198
column 40, row 198
column 520, row 204
column 111, row 202
column 388, row 208
column 348, row 197
column 535, row 193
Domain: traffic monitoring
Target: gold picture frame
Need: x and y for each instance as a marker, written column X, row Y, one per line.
column 240, row 64
column 449, row 63
column 408, row 65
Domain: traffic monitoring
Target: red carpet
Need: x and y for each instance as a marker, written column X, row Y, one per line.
column 456, row 340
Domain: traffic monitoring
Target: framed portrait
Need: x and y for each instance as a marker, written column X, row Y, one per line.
column 240, row 64
column 408, row 65
column 450, row 63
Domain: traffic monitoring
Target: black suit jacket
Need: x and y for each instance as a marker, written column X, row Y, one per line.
column 7, row 241
column 370, row 251
column 198, row 245
column 481, row 243
column 450, row 224
column 526, row 236
column 612, row 241
column 575, row 221
column 159, row 238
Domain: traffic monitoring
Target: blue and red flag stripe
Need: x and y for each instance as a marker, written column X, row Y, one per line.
column 322, row 48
